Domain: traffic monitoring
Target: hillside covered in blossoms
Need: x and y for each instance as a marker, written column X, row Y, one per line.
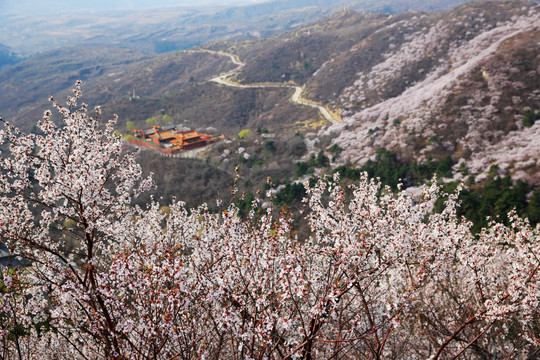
column 463, row 84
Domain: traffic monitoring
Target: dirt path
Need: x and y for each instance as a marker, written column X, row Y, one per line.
column 296, row 97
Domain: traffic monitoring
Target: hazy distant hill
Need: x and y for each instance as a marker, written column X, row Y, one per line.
column 26, row 86
column 29, row 27
column 7, row 56
column 52, row 7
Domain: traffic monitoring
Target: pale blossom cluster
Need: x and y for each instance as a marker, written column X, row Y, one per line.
column 379, row 276
column 413, row 49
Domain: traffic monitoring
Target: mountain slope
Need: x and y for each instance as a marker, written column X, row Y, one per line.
column 422, row 85
column 137, row 87
column 26, row 86
column 464, row 82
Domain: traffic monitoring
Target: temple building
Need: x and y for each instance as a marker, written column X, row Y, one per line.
column 171, row 138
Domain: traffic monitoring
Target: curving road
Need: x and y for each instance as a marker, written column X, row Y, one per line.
column 296, row 97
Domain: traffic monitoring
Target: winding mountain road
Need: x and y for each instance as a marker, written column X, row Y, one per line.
column 296, row 97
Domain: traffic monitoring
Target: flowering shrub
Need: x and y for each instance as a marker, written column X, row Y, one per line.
column 380, row 276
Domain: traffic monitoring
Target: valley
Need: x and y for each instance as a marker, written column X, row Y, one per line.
column 424, row 86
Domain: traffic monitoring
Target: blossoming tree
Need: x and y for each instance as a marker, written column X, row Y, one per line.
column 62, row 194
column 380, row 275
